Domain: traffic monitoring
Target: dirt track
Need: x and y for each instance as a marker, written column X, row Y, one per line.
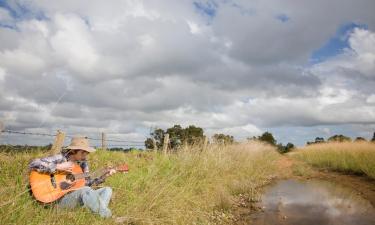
column 364, row 185
column 289, row 168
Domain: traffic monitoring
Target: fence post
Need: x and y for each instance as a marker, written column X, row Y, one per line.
column 154, row 144
column 59, row 141
column 104, row 144
column 165, row 144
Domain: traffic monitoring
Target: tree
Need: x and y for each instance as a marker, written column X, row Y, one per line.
column 267, row 137
column 193, row 135
column 223, row 139
column 319, row 140
column 158, row 134
column 177, row 136
column 290, row 145
column 339, row 138
column 284, row 149
column 149, row 144
column 359, row 139
column 253, row 138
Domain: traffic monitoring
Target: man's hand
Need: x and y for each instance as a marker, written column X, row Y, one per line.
column 111, row 172
column 65, row 166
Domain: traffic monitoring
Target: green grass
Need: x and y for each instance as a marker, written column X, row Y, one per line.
column 347, row 157
column 301, row 169
column 193, row 186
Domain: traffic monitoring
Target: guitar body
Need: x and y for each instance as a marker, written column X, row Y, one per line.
column 47, row 188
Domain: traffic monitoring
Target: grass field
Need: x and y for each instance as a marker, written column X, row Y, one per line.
column 347, row 157
column 194, row 186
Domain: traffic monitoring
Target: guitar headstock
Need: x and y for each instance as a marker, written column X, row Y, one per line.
column 123, row 168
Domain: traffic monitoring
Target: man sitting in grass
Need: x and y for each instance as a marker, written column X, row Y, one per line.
column 96, row 200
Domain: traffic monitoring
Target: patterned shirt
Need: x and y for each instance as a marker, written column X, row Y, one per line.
column 48, row 165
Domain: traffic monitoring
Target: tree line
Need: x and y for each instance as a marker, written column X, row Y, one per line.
column 191, row 135
column 179, row 136
column 267, row 137
column 20, row 148
column 339, row 138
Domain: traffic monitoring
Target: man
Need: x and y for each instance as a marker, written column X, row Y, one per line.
column 96, row 200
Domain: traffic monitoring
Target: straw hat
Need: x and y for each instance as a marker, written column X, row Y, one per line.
column 80, row 143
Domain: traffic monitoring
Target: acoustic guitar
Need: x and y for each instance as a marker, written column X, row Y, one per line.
column 47, row 188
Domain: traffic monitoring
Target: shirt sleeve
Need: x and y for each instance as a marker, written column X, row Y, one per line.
column 47, row 164
column 90, row 181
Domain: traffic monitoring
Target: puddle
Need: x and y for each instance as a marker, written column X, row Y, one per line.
column 292, row 202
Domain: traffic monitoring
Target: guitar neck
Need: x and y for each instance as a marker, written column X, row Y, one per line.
column 82, row 175
column 103, row 172
column 89, row 174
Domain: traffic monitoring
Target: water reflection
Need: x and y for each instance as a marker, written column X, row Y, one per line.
column 313, row 202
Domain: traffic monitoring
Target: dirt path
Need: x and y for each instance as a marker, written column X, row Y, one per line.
column 291, row 168
column 285, row 165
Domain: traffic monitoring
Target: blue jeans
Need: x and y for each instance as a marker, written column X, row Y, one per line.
column 96, row 200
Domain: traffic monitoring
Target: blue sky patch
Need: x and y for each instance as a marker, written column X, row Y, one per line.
column 21, row 12
column 15, row 9
column 8, row 26
column 207, row 8
column 283, row 18
column 244, row 11
column 300, row 135
column 335, row 45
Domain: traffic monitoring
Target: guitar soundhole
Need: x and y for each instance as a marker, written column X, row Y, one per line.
column 65, row 185
column 70, row 177
column 68, row 183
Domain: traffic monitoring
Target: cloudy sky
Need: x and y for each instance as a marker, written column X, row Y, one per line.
column 299, row 69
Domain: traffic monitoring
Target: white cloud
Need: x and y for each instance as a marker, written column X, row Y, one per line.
column 371, row 99
column 362, row 42
column 359, row 57
column 326, row 131
column 330, row 96
column 124, row 66
column 72, row 44
column 31, row 64
column 2, row 74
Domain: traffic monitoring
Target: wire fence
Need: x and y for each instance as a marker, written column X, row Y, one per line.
column 110, row 143
column 27, row 133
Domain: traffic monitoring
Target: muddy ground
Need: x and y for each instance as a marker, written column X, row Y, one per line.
column 289, row 168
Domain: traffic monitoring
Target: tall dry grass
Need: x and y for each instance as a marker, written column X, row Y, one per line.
column 348, row 157
column 193, row 186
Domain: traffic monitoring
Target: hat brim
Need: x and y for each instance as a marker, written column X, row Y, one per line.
column 87, row 149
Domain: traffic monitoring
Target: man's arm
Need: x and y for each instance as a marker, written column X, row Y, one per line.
column 47, row 164
column 89, row 181
column 96, row 181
